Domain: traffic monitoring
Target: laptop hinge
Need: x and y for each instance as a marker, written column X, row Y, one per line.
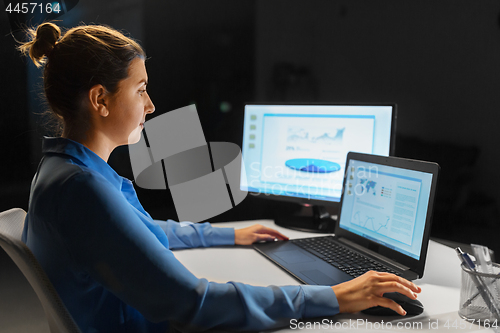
column 374, row 254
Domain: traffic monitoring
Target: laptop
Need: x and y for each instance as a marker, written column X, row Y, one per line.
column 383, row 224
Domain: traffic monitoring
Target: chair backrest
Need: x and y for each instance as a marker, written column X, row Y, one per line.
column 11, row 228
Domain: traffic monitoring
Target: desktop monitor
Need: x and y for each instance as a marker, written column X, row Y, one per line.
column 298, row 153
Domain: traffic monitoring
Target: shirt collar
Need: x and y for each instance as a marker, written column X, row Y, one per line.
column 82, row 155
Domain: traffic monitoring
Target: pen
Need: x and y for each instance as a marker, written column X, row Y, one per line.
column 483, row 290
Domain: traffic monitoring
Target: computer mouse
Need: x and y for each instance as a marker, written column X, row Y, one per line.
column 412, row 307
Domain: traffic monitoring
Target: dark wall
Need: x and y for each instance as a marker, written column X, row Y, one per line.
column 203, row 53
column 14, row 127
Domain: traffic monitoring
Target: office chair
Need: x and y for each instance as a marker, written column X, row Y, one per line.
column 11, row 227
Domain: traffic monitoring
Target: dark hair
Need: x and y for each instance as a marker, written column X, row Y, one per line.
column 85, row 56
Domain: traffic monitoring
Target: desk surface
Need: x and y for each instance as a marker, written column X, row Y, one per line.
column 440, row 284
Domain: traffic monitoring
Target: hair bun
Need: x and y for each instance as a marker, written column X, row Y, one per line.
column 42, row 42
column 46, row 38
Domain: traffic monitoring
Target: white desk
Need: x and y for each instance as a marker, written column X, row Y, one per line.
column 440, row 284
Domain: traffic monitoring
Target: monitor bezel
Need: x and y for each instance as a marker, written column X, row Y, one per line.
column 415, row 265
column 306, row 201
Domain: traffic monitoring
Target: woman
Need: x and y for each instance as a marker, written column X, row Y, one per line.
column 108, row 259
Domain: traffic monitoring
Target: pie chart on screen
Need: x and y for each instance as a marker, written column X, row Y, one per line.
column 312, row 165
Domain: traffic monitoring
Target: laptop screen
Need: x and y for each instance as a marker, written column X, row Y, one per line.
column 387, row 205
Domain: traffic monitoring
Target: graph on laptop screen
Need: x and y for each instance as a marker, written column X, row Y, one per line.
column 298, row 152
column 387, row 205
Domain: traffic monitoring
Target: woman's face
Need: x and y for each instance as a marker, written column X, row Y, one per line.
column 129, row 106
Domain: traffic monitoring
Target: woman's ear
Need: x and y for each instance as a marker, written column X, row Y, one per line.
column 98, row 98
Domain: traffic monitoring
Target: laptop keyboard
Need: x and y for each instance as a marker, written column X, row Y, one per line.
column 341, row 257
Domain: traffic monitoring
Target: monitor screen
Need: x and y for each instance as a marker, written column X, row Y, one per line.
column 298, row 152
column 387, row 205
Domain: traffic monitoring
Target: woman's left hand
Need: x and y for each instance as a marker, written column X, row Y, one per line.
column 256, row 233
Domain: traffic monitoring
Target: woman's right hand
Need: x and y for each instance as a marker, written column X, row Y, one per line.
column 366, row 291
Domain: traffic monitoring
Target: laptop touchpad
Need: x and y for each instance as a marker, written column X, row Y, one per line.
column 319, row 277
column 293, row 256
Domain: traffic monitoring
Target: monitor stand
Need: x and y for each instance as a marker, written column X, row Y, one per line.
column 321, row 221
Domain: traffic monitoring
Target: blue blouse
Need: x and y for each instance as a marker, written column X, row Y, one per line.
column 112, row 264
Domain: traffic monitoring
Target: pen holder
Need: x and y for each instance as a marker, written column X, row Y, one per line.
column 472, row 303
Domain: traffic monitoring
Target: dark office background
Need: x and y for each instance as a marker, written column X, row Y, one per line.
column 438, row 60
